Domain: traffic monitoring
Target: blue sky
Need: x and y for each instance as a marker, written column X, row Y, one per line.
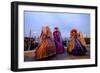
column 65, row 22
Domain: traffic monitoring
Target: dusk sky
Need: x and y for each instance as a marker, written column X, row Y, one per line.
column 65, row 21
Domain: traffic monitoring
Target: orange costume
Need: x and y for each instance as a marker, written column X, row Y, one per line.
column 76, row 45
column 47, row 46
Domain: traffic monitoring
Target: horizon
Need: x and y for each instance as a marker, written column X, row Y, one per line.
column 64, row 21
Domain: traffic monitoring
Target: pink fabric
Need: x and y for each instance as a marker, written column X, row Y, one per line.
column 58, row 42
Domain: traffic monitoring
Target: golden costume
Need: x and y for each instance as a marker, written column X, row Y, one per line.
column 76, row 44
column 46, row 48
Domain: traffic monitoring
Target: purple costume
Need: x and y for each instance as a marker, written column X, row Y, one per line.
column 58, row 42
column 78, row 49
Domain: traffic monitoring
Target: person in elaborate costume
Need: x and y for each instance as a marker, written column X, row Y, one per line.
column 76, row 44
column 47, row 46
column 81, row 38
column 58, row 41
